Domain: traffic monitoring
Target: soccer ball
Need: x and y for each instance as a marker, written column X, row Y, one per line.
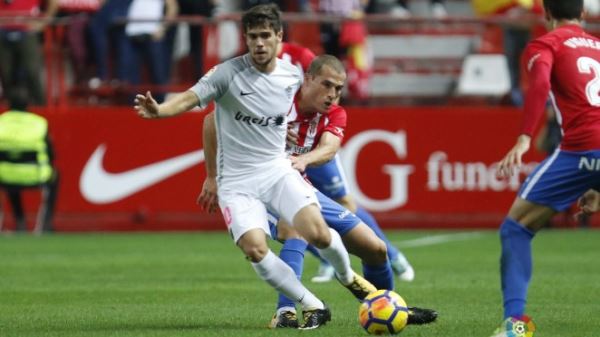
column 383, row 312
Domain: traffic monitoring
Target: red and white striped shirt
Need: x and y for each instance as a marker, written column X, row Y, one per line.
column 310, row 128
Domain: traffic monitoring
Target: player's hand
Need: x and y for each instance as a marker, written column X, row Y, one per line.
column 146, row 106
column 299, row 163
column 588, row 203
column 292, row 136
column 511, row 163
column 208, row 199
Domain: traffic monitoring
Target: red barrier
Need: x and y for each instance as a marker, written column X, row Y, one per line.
column 414, row 167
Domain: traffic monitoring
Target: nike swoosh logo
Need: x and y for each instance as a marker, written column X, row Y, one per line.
column 100, row 187
column 246, row 93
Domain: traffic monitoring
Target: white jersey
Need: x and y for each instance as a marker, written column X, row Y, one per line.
column 251, row 114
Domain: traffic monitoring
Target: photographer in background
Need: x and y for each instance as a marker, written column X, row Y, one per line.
column 26, row 158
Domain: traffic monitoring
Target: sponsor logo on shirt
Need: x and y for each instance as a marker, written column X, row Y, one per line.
column 589, row 164
column 260, row 121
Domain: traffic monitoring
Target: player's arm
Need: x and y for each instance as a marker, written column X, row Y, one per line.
column 147, row 107
column 539, row 66
column 208, row 199
column 328, row 146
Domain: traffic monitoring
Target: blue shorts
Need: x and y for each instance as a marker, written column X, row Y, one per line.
column 336, row 216
column 329, row 178
column 562, row 178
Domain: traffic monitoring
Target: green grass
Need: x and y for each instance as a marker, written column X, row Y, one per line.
column 198, row 284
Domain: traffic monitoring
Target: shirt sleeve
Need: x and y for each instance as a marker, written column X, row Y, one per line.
column 538, row 60
column 337, row 121
column 215, row 82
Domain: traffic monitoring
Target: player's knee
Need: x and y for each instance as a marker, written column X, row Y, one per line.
column 287, row 232
column 255, row 253
column 320, row 238
column 381, row 251
column 377, row 252
column 321, row 243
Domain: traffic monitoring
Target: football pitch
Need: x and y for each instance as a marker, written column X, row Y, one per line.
column 198, row 284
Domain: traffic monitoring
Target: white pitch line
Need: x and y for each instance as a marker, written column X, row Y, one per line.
column 431, row 240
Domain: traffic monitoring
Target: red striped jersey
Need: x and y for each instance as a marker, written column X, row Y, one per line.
column 310, row 128
column 565, row 63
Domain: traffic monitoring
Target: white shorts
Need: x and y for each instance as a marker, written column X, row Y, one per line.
column 246, row 210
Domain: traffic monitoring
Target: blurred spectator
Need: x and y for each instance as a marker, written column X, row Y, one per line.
column 330, row 32
column 202, row 8
column 20, row 54
column 79, row 13
column 348, row 41
column 145, row 42
column 521, row 17
column 103, row 27
column 26, row 158
column 438, row 9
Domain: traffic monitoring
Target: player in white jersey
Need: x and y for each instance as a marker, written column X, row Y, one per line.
column 253, row 94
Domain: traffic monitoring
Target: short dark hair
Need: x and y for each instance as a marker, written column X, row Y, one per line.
column 262, row 16
column 325, row 60
column 17, row 99
column 564, row 9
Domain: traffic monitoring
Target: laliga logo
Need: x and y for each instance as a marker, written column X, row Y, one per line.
column 398, row 173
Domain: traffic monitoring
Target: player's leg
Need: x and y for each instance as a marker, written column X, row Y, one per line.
column 292, row 253
column 326, row 272
column 246, row 218
column 294, row 199
column 273, row 270
column 330, row 179
column 516, row 233
column 400, row 265
column 360, row 241
column 327, row 179
column 552, row 187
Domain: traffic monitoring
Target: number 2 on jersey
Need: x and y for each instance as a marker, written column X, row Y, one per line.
column 592, row 90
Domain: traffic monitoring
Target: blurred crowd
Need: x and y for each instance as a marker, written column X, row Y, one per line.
column 115, row 43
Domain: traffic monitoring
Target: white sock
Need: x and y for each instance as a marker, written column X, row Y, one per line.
column 337, row 255
column 281, row 277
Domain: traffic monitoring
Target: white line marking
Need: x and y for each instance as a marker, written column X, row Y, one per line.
column 431, row 240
